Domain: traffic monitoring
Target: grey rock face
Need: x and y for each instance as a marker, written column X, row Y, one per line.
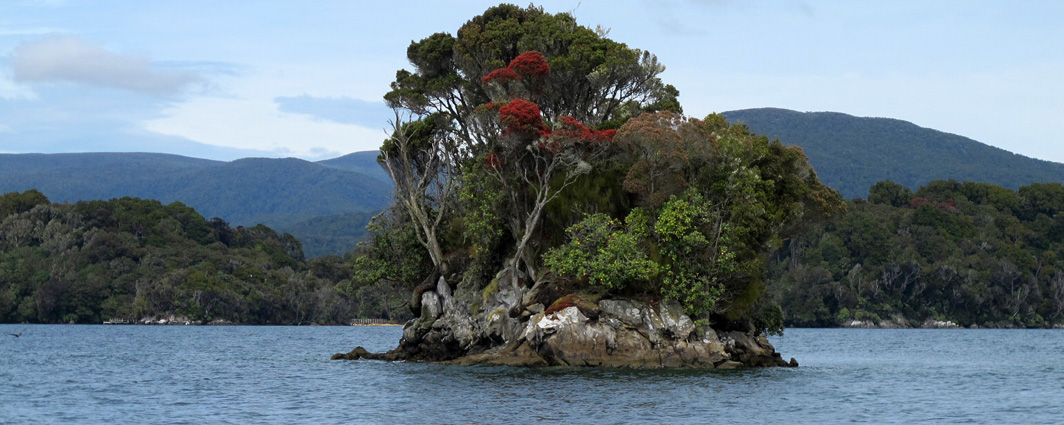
column 504, row 324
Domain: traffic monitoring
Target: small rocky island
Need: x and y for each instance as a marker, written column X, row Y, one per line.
column 572, row 331
column 558, row 209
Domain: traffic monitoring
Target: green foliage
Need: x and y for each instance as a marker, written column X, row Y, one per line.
column 131, row 258
column 890, row 193
column 683, row 246
column 598, row 191
column 971, row 253
column 15, row 203
column 392, row 253
column 481, row 217
column 419, row 133
column 717, row 200
column 601, row 251
column 722, row 199
column 768, row 316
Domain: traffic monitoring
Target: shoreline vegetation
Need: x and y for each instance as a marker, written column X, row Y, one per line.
column 810, row 276
column 184, row 321
column 132, row 258
column 974, row 254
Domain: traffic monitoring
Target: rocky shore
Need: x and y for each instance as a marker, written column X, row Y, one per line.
column 900, row 322
column 168, row 319
column 510, row 326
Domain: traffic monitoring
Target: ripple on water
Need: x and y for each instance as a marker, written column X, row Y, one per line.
column 140, row 374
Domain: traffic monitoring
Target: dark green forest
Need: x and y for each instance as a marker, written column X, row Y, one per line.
column 289, row 195
column 971, row 253
column 133, row 259
column 851, row 154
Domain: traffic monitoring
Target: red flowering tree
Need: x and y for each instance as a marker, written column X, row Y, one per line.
column 565, row 68
column 530, row 64
column 522, row 117
column 521, row 104
column 524, row 77
column 543, row 158
column 501, row 75
column 469, row 83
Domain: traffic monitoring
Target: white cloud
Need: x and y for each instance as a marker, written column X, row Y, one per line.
column 71, row 59
column 257, row 124
column 343, row 109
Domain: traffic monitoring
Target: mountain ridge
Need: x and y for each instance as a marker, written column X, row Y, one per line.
column 281, row 193
column 852, row 153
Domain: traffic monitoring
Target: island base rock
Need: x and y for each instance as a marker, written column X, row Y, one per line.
column 573, row 331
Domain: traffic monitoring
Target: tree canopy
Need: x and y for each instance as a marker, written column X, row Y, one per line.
column 969, row 253
column 135, row 259
column 535, row 155
column 591, row 78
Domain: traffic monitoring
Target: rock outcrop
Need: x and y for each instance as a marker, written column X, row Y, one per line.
column 505, row 324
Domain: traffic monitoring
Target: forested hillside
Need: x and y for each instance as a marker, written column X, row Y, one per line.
column 283, row 193
column 133, row 259
column 851, row 154
column 72, row 177
column 970, row 253
column 360, row 162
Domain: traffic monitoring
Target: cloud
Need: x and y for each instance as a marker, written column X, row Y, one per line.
column 257, row 124
column 63, row 120
column 343, row 110
column 71, row 59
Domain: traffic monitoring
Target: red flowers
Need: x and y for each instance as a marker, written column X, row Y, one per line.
column 521, row 115
column 573, row 129
column 501, row 74
column 530, row 64
column 526, row 65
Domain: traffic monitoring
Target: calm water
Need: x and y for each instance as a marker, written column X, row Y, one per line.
column 145, row 374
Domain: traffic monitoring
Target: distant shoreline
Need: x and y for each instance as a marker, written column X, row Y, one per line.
column 1057, row 327
column 193, row 323
column 378, row 324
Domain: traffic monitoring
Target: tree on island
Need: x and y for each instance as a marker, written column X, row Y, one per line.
column 540, row 163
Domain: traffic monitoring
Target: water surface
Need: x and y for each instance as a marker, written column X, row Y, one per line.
column 241, row 374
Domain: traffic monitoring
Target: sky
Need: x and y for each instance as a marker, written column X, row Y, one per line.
column 232, row 79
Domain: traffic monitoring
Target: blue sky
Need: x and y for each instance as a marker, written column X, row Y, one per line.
column 231, row 79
